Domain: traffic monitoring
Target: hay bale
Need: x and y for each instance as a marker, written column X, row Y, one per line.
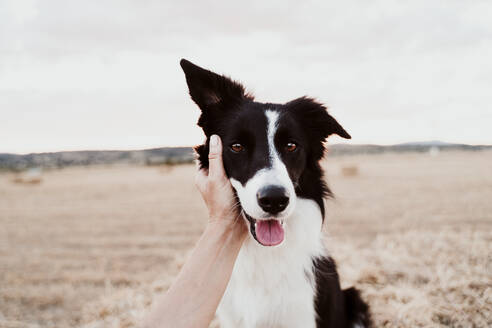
column 31, row 177
column 350, row 170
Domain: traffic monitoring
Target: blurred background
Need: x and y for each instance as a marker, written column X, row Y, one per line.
column 97, row 205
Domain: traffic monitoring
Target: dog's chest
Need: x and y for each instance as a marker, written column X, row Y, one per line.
column 275, row 287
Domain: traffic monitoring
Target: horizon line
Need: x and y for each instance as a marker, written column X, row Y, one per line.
column 110, row 149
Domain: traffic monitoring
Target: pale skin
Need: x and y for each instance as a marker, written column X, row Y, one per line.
column 193, row 298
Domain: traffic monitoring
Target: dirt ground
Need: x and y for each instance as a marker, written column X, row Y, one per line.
column 91, row 247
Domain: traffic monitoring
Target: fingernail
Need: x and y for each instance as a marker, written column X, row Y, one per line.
column 214, row 141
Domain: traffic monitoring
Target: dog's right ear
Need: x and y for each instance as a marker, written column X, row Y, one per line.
column 214, row 94
column 211, row 91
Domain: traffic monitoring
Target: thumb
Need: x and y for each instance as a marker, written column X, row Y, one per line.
column 216, row 167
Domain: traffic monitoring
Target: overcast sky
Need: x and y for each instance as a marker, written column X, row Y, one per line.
column 105, row 74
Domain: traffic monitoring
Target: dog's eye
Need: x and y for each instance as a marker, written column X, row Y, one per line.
column 237, row 148
column 290, row 147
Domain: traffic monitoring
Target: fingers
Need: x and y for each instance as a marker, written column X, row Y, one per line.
column 201, row 180
column 214, row 186
column 216, row 167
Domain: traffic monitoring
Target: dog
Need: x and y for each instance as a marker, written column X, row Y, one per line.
column 283, row 276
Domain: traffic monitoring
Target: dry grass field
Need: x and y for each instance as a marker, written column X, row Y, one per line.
column 91, row 247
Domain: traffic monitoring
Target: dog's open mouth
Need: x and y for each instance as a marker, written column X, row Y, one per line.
column 267, row 232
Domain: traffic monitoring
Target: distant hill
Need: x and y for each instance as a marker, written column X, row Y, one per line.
column 179, row 155
column 436, row 143
column 156, row 156
column 421, row 147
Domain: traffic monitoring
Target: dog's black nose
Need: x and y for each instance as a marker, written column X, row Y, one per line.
column 272, row 199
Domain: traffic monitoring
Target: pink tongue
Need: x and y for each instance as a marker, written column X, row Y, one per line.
column 269, row 232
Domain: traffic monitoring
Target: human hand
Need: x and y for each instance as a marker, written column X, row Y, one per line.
column 216, row 190
column 192, row 299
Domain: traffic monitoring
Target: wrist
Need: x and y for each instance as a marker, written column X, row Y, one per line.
column 228, row 227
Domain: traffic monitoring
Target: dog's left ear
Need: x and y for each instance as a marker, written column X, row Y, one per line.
column 315, row 116
column 211, row 91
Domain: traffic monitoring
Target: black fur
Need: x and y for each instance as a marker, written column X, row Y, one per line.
column 357, row 309
column 236, row 117
column 337, row 308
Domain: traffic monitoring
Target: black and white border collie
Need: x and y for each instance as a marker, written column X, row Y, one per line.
column 283, row 276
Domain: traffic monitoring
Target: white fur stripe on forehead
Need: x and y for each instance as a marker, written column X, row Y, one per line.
column 272, row 119
column 278, row 172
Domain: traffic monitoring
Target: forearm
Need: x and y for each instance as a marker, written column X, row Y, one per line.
column 194, row 296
